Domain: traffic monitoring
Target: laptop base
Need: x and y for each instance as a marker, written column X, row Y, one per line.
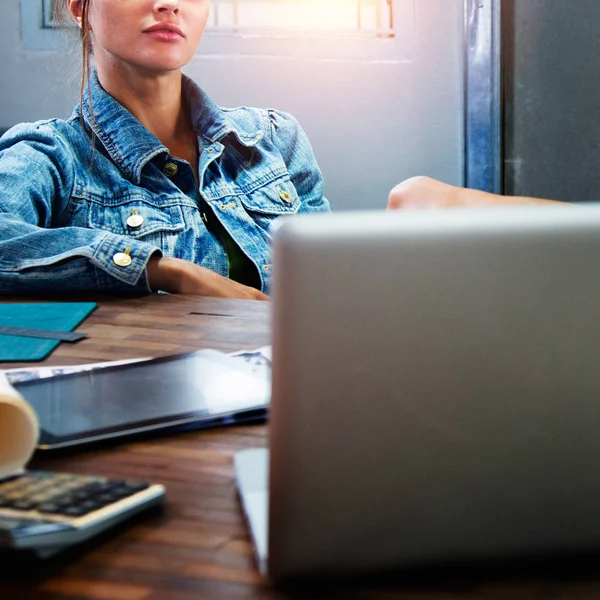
column 252, row 477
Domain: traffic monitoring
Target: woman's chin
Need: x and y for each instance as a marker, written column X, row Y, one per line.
column 159, row 64
column 161, row 67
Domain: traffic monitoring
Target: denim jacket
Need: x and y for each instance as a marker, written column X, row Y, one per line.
column 70, row 210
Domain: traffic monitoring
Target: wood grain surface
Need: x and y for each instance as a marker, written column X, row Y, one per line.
column 197, row 546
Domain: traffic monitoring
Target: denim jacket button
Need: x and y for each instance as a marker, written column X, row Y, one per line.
column 122, row 259
column 285, row 196
column 135, row 220
column 170, row 169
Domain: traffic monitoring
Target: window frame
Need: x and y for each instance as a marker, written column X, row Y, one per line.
column 35, row 36
column 483, row 143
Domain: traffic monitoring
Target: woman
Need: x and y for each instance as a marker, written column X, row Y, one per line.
column 149, row 185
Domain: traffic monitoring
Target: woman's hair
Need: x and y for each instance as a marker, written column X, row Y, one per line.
column 86, row 48
column 62, row 15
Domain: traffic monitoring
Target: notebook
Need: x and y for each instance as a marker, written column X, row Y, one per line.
column 57, row 316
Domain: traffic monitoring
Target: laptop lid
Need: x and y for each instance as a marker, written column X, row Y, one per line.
column 436, row 387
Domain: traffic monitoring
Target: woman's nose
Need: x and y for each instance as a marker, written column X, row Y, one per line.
column 167, row 6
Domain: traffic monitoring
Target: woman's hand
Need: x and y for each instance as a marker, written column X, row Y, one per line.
column 179, row 276
column 424, row 192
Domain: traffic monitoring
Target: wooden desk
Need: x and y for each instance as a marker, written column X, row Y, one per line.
column 198, row 546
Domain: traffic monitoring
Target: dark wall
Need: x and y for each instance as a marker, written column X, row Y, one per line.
column 551, row 62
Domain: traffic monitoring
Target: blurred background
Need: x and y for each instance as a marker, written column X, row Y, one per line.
column 500, row 95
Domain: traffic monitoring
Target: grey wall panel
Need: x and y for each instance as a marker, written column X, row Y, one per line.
column 551, row 51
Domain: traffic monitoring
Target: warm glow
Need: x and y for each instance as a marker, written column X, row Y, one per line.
column 305, row 15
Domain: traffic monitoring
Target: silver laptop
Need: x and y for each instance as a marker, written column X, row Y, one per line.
column 436, row 390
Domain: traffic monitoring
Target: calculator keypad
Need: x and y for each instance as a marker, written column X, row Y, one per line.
column 61, row 494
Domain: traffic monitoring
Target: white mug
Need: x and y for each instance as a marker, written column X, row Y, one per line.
column 19, row 430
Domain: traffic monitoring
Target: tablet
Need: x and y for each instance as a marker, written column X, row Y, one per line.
column 199, row 389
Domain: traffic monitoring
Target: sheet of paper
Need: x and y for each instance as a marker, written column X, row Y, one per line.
column 259, row 361
column 28, row 373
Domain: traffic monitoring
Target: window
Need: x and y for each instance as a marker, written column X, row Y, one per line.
column 371, row 17
column 341, row 30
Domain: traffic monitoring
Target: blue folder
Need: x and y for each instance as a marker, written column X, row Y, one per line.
column 55, row 316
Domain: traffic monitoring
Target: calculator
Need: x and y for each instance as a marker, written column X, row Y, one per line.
column 46, row 512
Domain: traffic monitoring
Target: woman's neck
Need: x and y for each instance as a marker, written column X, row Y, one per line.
column 156, row 101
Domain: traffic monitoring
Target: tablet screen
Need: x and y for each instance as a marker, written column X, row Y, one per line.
column 108, row 402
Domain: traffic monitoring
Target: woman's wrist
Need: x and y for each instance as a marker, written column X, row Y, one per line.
column 178, row 276
column 163, row 274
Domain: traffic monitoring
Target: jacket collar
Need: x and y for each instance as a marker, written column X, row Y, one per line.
column 131, row 146
column 210, row 121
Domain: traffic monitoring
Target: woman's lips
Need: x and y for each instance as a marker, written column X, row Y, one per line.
column 165, row 32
